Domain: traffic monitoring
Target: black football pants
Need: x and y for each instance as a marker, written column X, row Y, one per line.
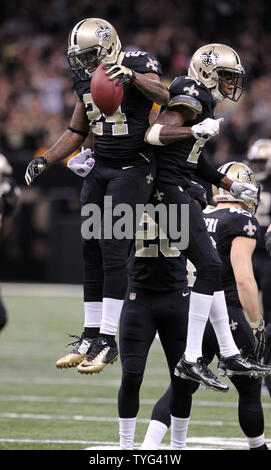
column 144, row 313
column 104, row 258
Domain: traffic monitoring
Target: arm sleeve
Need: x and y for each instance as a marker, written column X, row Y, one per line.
column 207, row 172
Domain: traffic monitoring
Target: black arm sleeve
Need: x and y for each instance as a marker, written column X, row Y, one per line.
column 207, row 172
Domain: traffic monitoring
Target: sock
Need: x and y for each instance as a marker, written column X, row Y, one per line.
column 199, row 308
column 255, row 442
column 127, row 432
column 220, row 320
column 93, row 314
column 110, row 316
column 179, row 428
column 154, row 435
column 91, row 332
column 110, row 339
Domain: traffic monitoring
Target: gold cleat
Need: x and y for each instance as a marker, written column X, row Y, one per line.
column 101, row 355
column 71, row 360
column 77, row 355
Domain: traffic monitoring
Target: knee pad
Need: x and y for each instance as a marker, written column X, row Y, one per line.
column 132, row 371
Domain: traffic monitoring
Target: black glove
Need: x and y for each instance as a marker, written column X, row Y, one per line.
column 34, row 169
column 124, row 74
column 260, row 339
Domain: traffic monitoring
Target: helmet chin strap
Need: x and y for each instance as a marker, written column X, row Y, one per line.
column 218, row 97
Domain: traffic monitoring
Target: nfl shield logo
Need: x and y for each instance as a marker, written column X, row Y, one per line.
column 132, row 296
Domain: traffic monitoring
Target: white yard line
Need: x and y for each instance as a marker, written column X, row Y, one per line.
column 110, row 401
column 194, row 443
column 41, row 290
column 108, row 419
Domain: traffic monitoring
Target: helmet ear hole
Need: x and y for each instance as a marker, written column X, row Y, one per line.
column 205, row 74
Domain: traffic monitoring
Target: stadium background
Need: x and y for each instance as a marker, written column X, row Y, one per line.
column 39, row 407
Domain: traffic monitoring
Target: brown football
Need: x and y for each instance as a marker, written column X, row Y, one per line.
column 106, row 95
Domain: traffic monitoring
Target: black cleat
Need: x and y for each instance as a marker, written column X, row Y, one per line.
column 240, row 365
column 199, row 372
column 79, row 352
column 100, row 355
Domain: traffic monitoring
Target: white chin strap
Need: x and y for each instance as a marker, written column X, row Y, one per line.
column 218, row 97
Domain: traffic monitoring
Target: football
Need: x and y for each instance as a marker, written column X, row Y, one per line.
column 106, row 95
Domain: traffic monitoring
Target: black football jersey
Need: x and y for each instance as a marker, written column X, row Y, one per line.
column 178, row 161
column 120, row 138
column 263, row 214
column 223, row 226
column 154, row 263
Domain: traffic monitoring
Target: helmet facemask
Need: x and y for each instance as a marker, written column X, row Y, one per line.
column 84, row 62
column 231, row 77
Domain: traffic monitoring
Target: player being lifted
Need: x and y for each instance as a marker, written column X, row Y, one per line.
column 180, row 133
column 259, row 158
column 124, row 170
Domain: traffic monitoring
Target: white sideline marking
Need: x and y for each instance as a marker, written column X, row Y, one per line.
column 107, row 419
column 41, row 290
column 110, row 401
column 194, row 443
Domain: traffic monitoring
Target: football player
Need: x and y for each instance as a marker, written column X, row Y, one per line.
column 157, row 300
column 234, row 231
column 259, row 157
column 124, row 171
column 9, row 194
column 180, row 133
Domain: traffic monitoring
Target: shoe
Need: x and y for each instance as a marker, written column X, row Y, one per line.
column 100, row 355
column 81, row 350
column 240, row 365
column 199, row 372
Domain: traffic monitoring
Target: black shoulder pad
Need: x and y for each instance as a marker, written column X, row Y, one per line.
column 187, row 101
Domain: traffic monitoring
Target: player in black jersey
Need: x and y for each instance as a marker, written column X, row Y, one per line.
column 157, row 300
column 124, row 171
column 259, row 157
column 180, row 133
column 234, row 231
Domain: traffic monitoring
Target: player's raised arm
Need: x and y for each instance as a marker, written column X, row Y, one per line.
column 148, row 83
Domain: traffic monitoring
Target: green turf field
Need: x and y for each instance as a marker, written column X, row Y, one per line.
column 45, row 408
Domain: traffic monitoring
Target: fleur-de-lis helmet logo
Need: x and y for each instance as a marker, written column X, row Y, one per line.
column 210, row 57
column 103, row 32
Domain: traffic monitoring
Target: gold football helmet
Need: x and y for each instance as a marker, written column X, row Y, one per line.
column 91, row 42
column 240, row 172
column 214, row 63
column 259, row 156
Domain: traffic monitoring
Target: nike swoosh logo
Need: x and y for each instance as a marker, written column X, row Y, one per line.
column 184, row 294
column 126, row 167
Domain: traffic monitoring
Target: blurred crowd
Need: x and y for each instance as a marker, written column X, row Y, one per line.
column 36, row 97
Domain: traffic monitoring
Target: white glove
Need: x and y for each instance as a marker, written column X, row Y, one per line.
column 82, row 163
column 206, row 129
column 246, row 191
